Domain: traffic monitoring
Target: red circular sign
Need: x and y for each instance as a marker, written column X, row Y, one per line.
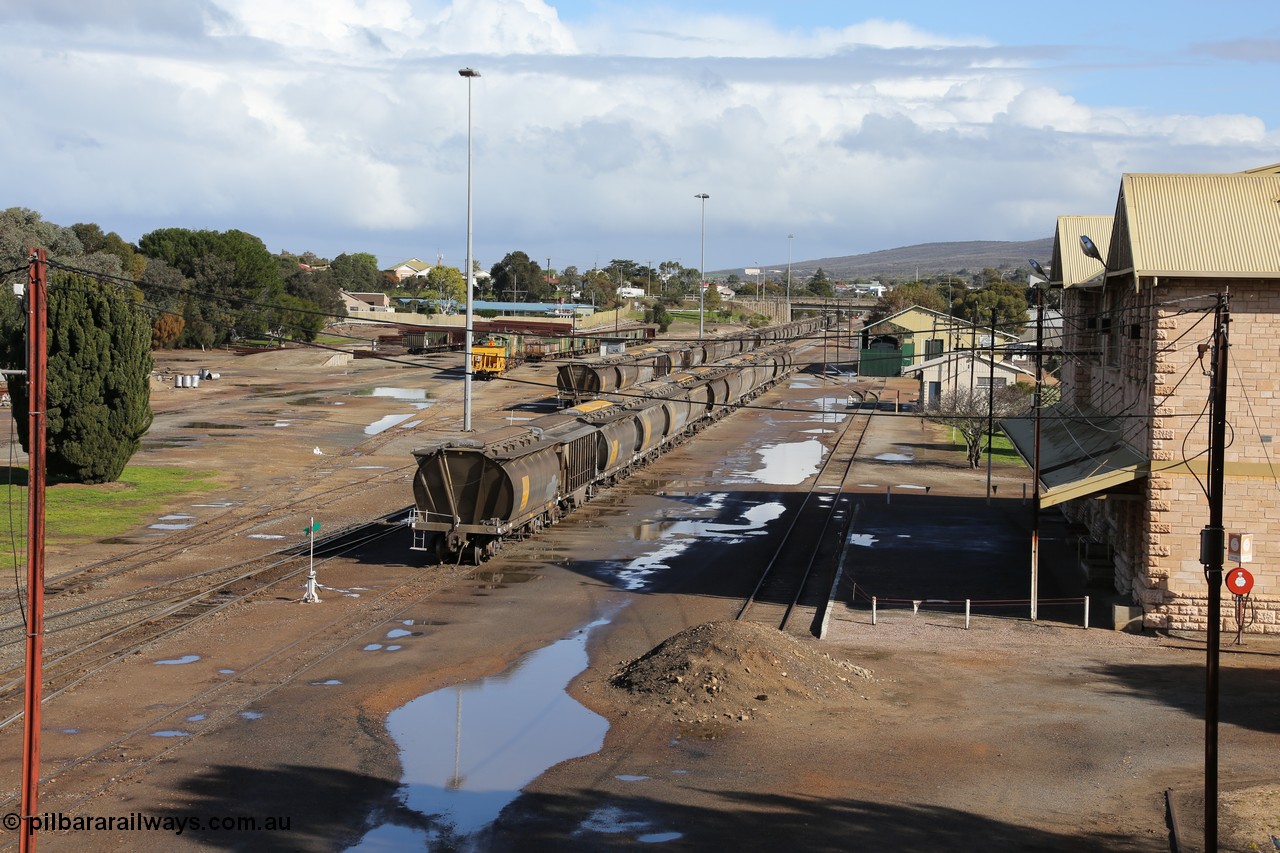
column 1239, row 581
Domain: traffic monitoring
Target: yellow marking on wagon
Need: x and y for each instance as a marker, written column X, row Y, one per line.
column 593, row 406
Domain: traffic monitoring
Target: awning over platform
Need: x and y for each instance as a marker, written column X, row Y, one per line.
column 1080, row 454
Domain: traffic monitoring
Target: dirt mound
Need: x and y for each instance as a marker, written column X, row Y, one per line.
column 735, row 671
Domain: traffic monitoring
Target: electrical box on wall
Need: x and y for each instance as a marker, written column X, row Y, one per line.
column 1240, row 547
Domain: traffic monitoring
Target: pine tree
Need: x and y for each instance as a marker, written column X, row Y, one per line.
column 99, row 368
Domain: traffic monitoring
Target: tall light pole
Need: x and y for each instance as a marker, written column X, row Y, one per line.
column 469, row 73
column 1037, row 401
column 790, row 237
column 702, row 273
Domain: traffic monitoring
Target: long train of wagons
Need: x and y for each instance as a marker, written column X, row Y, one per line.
column 472, row 493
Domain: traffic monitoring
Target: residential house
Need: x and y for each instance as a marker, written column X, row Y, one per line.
column 366, row 303
column 1124, row 451
column 962, row 371
column 410, row 269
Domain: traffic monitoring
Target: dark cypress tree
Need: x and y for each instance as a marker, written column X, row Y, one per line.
column 99, row 392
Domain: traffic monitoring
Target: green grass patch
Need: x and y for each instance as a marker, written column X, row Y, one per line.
column 75, row 513
column 1002, row 452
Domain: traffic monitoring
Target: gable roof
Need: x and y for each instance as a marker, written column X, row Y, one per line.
column 1197, row 226
column 945, row 322
column 413, row 264
column 1071, row 266
column 978, row 358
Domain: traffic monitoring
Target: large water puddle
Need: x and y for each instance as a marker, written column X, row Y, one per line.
column 385, row 423
column 787, row 464
column 678, row 536
column 467, row 750
column 394, row 393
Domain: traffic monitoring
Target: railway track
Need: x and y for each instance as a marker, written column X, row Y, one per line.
column 790, row 583
column 83, row 640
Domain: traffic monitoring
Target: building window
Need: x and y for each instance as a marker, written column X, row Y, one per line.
column 990, row 381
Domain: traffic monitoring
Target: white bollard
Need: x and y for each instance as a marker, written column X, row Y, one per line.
column 311, row 596
column 873, row 610
column 1086, row 613
column 966, row 614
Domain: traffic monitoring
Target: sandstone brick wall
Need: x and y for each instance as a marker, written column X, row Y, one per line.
column 1158, row 371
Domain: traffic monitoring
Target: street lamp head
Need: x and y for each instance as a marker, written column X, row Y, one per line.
column 1039, row 270
column 702, row 196
column 1087, row 246
column 468, row 72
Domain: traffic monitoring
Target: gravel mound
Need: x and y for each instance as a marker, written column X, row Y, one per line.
column 734, row 671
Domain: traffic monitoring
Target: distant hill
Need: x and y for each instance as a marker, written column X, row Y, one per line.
column 928, row 259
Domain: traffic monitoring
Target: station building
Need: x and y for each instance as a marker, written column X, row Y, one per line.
column 1124, row 451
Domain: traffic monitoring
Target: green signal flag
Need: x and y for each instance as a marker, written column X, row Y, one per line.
column 313, row 527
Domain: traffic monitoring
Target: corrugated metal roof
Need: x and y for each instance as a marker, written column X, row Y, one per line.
column 1071, row 266
column 1080, row 454
column 1214, row 226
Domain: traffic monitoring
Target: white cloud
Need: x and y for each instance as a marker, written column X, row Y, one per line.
column 341, row 126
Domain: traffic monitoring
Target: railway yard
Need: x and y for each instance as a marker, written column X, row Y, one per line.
column 186, row 679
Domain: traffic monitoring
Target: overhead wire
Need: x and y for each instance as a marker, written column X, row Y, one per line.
column 960, row 326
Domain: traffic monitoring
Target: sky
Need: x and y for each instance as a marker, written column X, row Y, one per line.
column 337, row 126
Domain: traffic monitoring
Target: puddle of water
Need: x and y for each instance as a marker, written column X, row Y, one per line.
column 626, row 778
column 394, row 648
column 209, row 425
column 373, row 647
column 460, row 784
column 178, row 517
column 817, row 431
column 252, row 715
column 70, row 731
column 678, row 536
column 226, row 672
column 170, row 526
column 896, row 457
column 282, row 424
column 788, row 464
column 179, row 661
column 864, row 539
column 385, row 423
column 216, row 506
column 331, row 682
column 411, row 425
column 611, row 820
column 501, row 578
column 171, row 733
column 265, row 536
column 397, row 633
column 174, row 443
column 909, row 486
column 195, row 718
column 394, row 393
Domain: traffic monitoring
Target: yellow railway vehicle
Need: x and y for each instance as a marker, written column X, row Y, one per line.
column 493, row 355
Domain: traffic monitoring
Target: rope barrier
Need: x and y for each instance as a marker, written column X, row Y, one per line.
column 967, row 603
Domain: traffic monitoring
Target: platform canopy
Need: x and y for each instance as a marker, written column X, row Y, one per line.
column 1081, row 453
